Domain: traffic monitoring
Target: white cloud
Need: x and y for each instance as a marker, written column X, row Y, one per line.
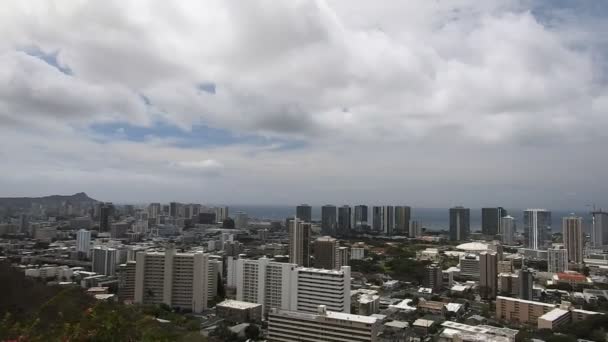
column 379, row 92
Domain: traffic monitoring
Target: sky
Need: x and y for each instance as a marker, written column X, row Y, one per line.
column 428, row 103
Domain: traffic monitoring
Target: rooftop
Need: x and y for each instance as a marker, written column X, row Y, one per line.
column 473, row 247
column 237, row 304
column 329, row 314
column 554, row 314
column 524, row 301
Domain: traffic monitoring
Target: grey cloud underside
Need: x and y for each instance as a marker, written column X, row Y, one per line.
column 415, row 95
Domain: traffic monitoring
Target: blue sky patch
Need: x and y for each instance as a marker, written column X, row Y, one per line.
column 49, row 57
column 207, row 87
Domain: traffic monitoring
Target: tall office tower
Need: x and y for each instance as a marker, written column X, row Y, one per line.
column 488, row 274
column 322, row 325
column 173, row 209
column 104, row 260
column 360, row 220
column 490, row 220
column 599, row 235
column 388, row 220
column 434, row 277
column 526, row 282
column 24, row 224
column 537, row 228
column 187, row 212
column 304, row 213
column 214, row 276
column 377, row 219
column 323, row 287
column 325, row 252
column 83, row 241
column 402, row 220
column 573, row 238
column 272, row 284
column 557, row 259
column 195, row 209
column 241, row 220
column 342, row 257
column 221, row 213
column 328, row 219
column 460, row 224
column 414, row 229
column 344, row 220
column 105, row 211
column 154, row 210
column 179, row 280
column 126, row 281
column 299, row 242
column 507, row 230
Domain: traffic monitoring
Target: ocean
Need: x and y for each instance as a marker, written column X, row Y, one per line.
column 430, row 218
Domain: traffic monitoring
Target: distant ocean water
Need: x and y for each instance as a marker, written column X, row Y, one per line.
column 431, row 218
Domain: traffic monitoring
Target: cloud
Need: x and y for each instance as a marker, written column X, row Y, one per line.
column 499, row 91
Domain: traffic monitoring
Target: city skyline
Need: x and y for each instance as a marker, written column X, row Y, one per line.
column 321, row 109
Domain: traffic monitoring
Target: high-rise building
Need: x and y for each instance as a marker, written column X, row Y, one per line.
column 488, row 275
column 304, row 213
column 526, row 282
column 24, row 224
column 557, row 259
column 241, row 220
column 104, row 260
column 414, row 229
column 321, row 325
column 377, row 219
column 360, row 220
column 434, row 277
column 83, row 241
column 599, row 234
column 537, row 228
column 325, row 252
column 105, row 212
column 507, row 230
column 342, row 257
column 328, row 220
column 344, row 220
column 460, row 224
column 572, row 232
column 126, row 281
column 388, row 220
column 289, row 287
column 490, row 220
column 154, row 210
column 179, row 280
column 299, row 242
column 173, row 209
column 221, row 213
column 402, row 220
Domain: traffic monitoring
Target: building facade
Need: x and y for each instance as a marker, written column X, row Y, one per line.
column 537, row 228
column 572, row 232
column 299, row 242
column 460, row 224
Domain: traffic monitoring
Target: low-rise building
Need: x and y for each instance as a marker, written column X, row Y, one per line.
column 235, row 311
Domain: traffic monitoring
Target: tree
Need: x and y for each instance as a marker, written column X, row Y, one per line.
column 252, row 332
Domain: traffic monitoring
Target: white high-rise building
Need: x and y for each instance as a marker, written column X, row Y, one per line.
column 179, row 280
column 221, row 213
column 83, row 241
column 289, row 287
column 537, row 227
column 507, row 230
column 154, row 210
column 557, row 259
column 573, row 238
column 388, row 220
column 414, row 229
column 104, row 260
column 599, row 235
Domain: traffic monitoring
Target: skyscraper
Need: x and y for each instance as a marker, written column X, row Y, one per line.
column 572, row 232
column 83, row 241
column 490, row 220
column 328, row 219
column 105, row 211
column 173, row 209
column 526, row 282
column 325, row 252
column 104, row 260
column 241, row 220
column 177, row 279
column 402, row 220
column 344, row 220
column 221, row 213
column 434, row 277
column 360, row 220
column 460, row 224
column 599, row 235
column 537, row 228
column 557, row 259
column 388, row 220
column 507, row 230
column 154, row 210
column 377, row 219
column 299, row 242
column 304, row 213
column 414, row 229
column 342, row 257
column 488, row 274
